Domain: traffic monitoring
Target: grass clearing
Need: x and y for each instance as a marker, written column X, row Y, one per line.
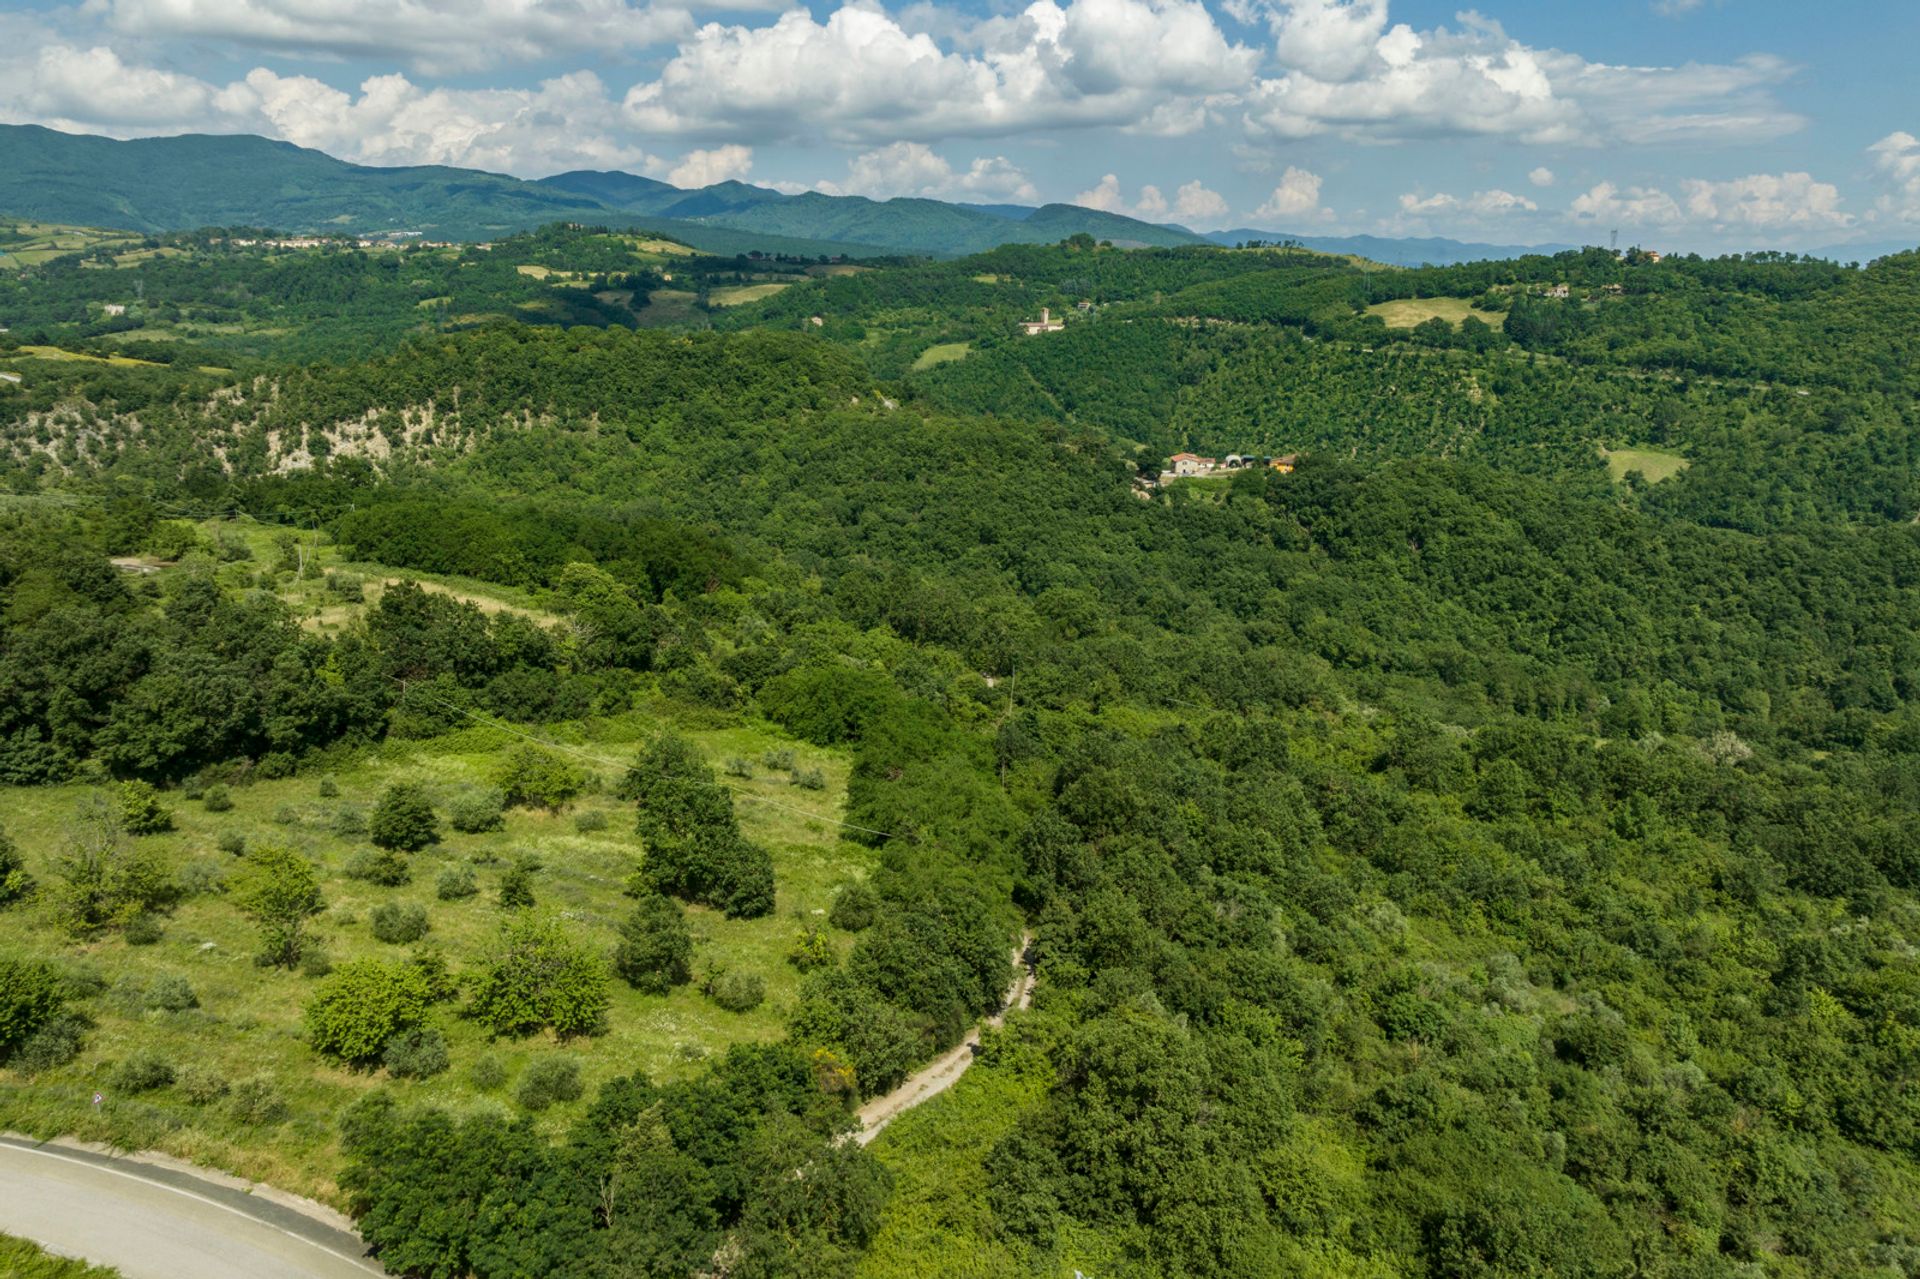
column 740, row 295
column 59, row 353
column 1655, row 464
column 1407, row 313
column 944, row 353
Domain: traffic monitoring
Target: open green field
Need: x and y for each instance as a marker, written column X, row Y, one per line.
column 1407, row 313
column 57, row 353
column 1655, row 464
column 944, row 353
column 20, row 1259
column 25, row 244
column 740, row 295
column 247, row 1022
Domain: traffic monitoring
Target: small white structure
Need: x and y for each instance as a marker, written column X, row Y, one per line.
column 1045, row 324
column 114, row 308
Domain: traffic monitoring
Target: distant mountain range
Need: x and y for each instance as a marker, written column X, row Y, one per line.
column 196, row 180
column 1433, row 251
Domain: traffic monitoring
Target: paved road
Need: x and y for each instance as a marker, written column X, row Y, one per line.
column 158, row 1222
column 940, row 1074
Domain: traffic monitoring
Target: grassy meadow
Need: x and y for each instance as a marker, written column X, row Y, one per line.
column 1407, row 313
column 247, row 1022
column 1655, row 464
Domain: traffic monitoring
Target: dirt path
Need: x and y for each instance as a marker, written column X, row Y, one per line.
column 939, row 1074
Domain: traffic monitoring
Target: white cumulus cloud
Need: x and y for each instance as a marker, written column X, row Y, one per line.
column 1542, row 177
column 915, row 169
column 1770, row 201
column 1634, row 206
column 1897, row 157
column 704, row 168
column 1297, row 197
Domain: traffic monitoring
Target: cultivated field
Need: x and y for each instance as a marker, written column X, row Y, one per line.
column 1406, row 313
column 739, row 295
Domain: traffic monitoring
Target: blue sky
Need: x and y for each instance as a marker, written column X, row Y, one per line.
column 1692, row 124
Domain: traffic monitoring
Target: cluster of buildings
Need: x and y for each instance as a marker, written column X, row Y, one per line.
column 1181, row 465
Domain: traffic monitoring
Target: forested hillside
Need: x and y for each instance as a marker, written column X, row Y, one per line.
column 1488, row 848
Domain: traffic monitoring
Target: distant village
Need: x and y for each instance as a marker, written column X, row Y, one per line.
column 1183, row 466
column 387, row 240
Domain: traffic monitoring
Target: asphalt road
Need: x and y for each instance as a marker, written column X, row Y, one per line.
column 163, row 1223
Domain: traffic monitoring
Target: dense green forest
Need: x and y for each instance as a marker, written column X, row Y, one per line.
column 1466, row 854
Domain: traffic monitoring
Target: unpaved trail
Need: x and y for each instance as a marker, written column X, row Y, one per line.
column 939, row 1074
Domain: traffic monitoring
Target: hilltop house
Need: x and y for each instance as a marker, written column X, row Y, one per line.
column 113, row 308
column 1045, row 324
column 1191, row 464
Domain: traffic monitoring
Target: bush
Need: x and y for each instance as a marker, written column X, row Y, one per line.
column 315, row 961
column 737, row 767
column 548, row 1080
column 487, row 1074
column 279, row 891
column 203, row 877
column 104, row 880
column 516, row 884
column 456, row 883
column 810, row 779
column 403, row 820
column 418, row 1053
column 30, row 997
column 232, row 843
column 329, row 789
column 15, row 883
column 536, row 977
column 477, row 811
column 275, row 765
column 141, row 812
column 54, row 1044
column 387, row 869
column 779, row 760
column 349, row 823
column 363, row 1005
column 142, row 1072
column 735, row 992
column 145, row 930
column 590, row 822
column 202, row 1087
column 855, row 907
column 435, row 975
column 218, row 799
column 346, row 587
column 286, row 815
column 170, row 993
column 810, row 950
column 655, row 950
column 399, row 925
column 257, row 1101
column 534, row 778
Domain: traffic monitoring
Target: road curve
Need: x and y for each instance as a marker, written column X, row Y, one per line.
column 159, row 1221
column 939, row 1074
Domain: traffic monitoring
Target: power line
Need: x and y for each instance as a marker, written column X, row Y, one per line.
column 577, row 753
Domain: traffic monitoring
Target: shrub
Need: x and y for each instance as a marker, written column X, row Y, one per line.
column 590, row 822
column 655, row 951
column 474, row 812
column 516, row 884
column 201, row 1086
column 257, row 1101
column 403, row 820
column 349, row 588
column 218, row 799
column 548, row 1080
column 487, row 1074
column 855, row 907
column 314, row 961
column 145, row 930
column 170, row 993
column 399, row 925
column 737, row 767
column 387, row 869
column 456, row 883
column 363, row 1005
column 286, row 815
column 141, row 812
column 329, row 789
column 232, row 843
column 275, row 765
column 30, row 997
column 779, row 760
column 537, row 976
column 142, row 1072
column 279, row 891
column 349, row 823
column 203, row 877
column 736, row 992
column 534, row 778
column 15, row 883
column 435, row 975
column 417, row 1053
column 809, row 779
column 54, row 1044
column 810, row 950
column 104, row 880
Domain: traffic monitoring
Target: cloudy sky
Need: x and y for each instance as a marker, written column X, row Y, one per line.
column 1702, row 124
